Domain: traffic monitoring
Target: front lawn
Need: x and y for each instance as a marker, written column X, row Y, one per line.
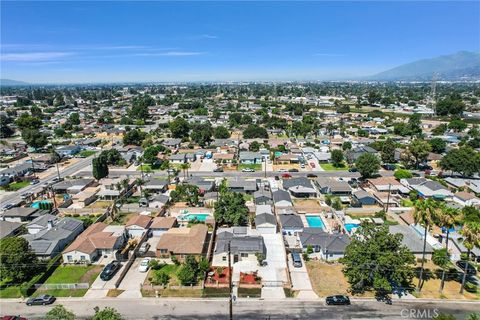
column 256, row 167
column 86, row 153
column 71, row 274
column 331, row 167
column 15, row 186
column 148, row 167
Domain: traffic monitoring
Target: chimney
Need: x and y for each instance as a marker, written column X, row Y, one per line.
column 50, row 224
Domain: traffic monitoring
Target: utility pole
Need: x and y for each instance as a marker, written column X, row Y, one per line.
column 388, row 197
column 230, row 302
column 265, row 161
column 58, row 171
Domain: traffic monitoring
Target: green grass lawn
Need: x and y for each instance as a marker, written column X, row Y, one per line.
column 331, row 167
column 148, row 168
column 10, row 292
column 256, row 167
column 86, row 153
column 71, row 274
column 15, row 186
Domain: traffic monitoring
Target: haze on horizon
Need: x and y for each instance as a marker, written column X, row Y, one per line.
column 75, row 42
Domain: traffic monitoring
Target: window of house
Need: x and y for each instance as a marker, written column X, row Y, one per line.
column 69, row 258
column 224, row 258
column 243, row 255
column 82, row 258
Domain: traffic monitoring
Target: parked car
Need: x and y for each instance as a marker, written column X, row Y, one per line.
column 277, row 178
column 25, row 195
column 35, row 181
column 144, row 265
column 282, row 170
column 311, row 175
column 110, row 269
column 248, row 170
column 297, row 260
column 218, row 169
column 42, row 300
column 286, row 175
column 425, row 167
column 8, row 206
column 57, row 179
column 337, row 300
column 471, row 268
column 13, row 318
column 144, row 248
column 302, row 166
column 353, row 170
column 389, row 167
column 293, row 170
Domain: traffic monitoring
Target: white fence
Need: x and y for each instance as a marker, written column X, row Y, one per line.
column 69, row 286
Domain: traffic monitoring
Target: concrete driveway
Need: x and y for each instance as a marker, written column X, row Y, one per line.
column 301, row 280
column 99, row 284
column 274, row 274
column 132, row 281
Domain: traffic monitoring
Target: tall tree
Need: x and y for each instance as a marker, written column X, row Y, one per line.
column 34, row 138
column 463, row 160
column 18, row 263
column 230, row 209
column 447, row 217
column 179, row 128
column 423, row 215
column 388, row 151
column 99, row 168
column 375, row 259
column 419, row 149
column 337, row 157
column 367, row 164
column 471, row 238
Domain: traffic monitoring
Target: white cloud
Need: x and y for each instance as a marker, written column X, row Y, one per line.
column 208, row 36
column 329, row 55
column 171, row 54
column 34, row 56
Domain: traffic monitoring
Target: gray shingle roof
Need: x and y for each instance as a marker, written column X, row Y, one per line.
column 291, row 221
column 239, row 243
column 333, row 243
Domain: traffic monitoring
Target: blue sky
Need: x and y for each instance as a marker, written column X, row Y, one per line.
column 106, row 41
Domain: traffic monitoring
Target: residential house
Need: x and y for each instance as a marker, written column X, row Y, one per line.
column 247, row 157
column 181, row 242
column 9, row 229
column 160, row 225
column 243, row 246
column 172, row 143
column 96, row 241
column 386, row 184
column 300, row 187
column 290, row 223
column 427, row 188
column 202, row 184
column 353, row 154
column 177, row 158
column 48, row 236
column 363, row 198
column 282, row 199
column 466, row 199
column 333, row 186
column 20, row 214
column 19, row 170
column 68, row 151
column 156, row 185
column 72, row 186
column 262, row 196
column 158, row 201
column 243, row 186
column 138, row 225
column 325, row 245
column 411, row 240
column 265, row 221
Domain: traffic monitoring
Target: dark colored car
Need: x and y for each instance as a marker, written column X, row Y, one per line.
column 219, row 169
column 471, row 268
column 425, row 167
column 337, row 300
column 311, row 175
column 293, row 170
column 109, row 271
column 42, row 300
column 389, row 167
column 352, row 170
column 277, row 178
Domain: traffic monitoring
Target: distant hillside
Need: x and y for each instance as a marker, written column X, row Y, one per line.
column 462, row 65
column 9, row 82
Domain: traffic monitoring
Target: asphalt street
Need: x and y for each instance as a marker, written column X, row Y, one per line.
column 15, row 196
column 156, row 309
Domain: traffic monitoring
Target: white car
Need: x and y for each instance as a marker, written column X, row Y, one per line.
column 144, row 265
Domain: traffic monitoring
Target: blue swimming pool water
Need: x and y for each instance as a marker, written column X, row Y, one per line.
column 350, row 226
column 315, row 222
column 198, row 216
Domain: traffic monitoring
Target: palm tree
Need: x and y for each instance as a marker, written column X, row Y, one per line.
column 188, row 166
column 139, row 182
column 423, row 214
column 184, row 167
column 471, row 238
column 447, row 218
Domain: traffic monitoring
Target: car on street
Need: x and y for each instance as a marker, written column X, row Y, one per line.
column 389, row 167
column 293, row 170
column 282, row 170
column 57, row 179
column 471, row 268
column 35, row 181
column 25, row 195
column 8, row 206
column 302, row 166
column 337, row 300
column 143, row 267
column 286, row 175
column 144, row 248
column 311, row 175
column 110, row 269
column 42, row 300
column 353, row 170
column 248, row 170
column 218, row 169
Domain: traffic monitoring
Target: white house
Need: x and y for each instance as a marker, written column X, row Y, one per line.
column 160, row 225
column 137, row 225
column 466, row 199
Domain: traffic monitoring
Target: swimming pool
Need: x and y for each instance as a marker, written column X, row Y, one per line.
column 315, row 222
column 350, row 226
column 194, row 216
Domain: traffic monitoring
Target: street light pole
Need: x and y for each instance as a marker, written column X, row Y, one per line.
column 230, row 302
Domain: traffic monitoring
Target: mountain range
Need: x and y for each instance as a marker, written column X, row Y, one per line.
column 463, row 65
